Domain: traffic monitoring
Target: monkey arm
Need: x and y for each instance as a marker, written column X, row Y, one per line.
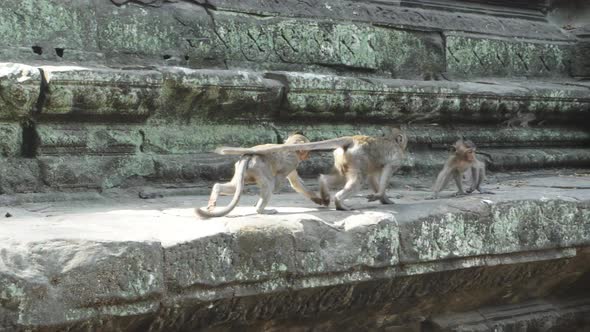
column 299, row 187
column 272, row 148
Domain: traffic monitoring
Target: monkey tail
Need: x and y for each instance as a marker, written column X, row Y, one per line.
column 487, row 155
column 240, row 173
column 272, row 148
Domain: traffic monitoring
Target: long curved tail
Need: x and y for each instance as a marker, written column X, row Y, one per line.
column 240, row 172
column 271, row 148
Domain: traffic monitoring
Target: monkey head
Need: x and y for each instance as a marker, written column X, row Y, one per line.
column 465, row 149
column 298, row 138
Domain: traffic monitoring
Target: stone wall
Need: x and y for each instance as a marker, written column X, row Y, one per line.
column 100, row 93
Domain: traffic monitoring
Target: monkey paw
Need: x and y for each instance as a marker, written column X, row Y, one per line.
column 373, row 197
column 318, row 200
column 383, row 199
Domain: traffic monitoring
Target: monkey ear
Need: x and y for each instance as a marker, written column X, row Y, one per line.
column 399, row 139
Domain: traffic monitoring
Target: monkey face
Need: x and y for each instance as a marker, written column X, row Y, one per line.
column 470, row 154
column 303, row 155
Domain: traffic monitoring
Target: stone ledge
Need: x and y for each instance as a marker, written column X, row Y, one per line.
column 175, row 95
column 151, row 256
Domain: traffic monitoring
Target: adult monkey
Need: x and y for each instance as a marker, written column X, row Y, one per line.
column 266, row 170
column 356, row 158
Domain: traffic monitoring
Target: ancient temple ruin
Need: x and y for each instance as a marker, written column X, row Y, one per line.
column 110, row 111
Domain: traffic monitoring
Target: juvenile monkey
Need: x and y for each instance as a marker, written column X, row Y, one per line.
column 356, row 158
column 462, row 159
column 265, row 170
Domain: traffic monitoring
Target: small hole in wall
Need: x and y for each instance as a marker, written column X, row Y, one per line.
column 59, row 52
column 166, row 56
column 37, row 50
column 186, row 57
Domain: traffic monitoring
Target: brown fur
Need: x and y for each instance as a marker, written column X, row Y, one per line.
column 462, row 159
column 266, row 170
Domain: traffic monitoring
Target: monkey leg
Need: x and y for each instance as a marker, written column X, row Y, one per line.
column 326, row 181
column 476, row 178
column 374, row 182
column 266, row 185
column 228, row 188
column 383, row 182
column 442, row 180
column 478, row 174
column 353, row 184
column 459, row 183
column 299, row 186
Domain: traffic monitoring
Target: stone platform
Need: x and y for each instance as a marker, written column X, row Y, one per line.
column 114, row 262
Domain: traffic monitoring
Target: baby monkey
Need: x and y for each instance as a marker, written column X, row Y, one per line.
column 462, row 159
column 266, row 170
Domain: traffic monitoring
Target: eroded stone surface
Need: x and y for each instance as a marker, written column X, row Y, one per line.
column 20, row 86
column 145, row 257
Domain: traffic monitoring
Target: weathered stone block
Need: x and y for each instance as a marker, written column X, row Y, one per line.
column 87, row 139
column 178, row 34
column 498, row 229
column 522, row 19
column 20, row 86
column 469, row 56
column 11, row 139
column 329, row 45
column 72, row 279
column 44, row 27
column 349, row 98
column 20, row 175
column 193, row 167
column 308, row 246
column 217, row 95
column 90, row 93
column 184, row 139
column 93, row 172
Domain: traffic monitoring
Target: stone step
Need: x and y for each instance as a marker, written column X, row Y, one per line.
column 150, row 264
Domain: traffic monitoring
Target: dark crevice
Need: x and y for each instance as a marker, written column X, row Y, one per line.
column 186, row 57
column 279, row 138
column 37, row 50
column 500, row 59
column 343, row 68
column 44, row 89
column 544, row 63
column 526, row 67
column 453, row 55
column 30, row 137
column 30, row 141
column 59, row 52
column 284, row 91
column 141, row 146
column 255, row 41
column 166, row 56
column 479, row 59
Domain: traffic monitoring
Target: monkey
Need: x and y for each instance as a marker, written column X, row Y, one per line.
column 265, row 170
column 462, row 159
column 356, row 158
